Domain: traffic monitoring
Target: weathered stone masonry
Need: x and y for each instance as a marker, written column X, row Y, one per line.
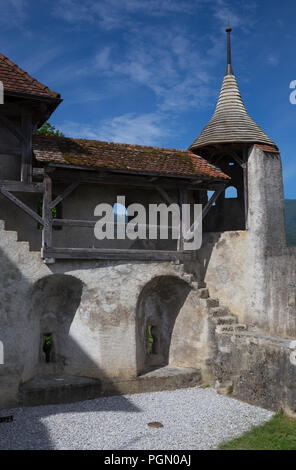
column 225, row 315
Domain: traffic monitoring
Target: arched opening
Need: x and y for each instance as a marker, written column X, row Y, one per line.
column 158, row 307
column 55, row 299
column 231, row 193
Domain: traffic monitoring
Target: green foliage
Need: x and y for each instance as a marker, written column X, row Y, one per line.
column 150, row 340
column 47, row 339
column 277, row 434
column 47, row 346
column 48, row 129
column 40, row 212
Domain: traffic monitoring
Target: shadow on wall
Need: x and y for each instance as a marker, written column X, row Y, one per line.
column 158, row 306
column 210, row 241
column 20, row 328
column 55, row 300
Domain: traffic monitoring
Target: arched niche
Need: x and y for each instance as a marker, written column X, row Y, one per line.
column 158, row 307
column 55, row 300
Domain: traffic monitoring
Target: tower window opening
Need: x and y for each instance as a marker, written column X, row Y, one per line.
column 210, row 194
column 231, row 193
column 151, row 340
column 47, row 346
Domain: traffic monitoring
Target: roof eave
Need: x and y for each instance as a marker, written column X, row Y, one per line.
column 134, row 172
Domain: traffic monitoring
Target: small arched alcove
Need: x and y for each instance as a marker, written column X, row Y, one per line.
column 55, row 300
column 159, row 304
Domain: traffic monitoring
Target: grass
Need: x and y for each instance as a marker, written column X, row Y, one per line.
column 278, row 434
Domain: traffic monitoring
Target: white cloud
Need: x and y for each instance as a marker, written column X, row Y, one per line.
column 102, row 59
column 37, row 61
column 146, row 129
column 176, row 66
column 116, row 13
column 273, row 60
column 13, row 13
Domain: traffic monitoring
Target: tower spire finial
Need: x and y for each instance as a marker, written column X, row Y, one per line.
column 229, row 70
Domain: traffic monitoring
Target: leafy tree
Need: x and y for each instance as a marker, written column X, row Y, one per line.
column 48, row 129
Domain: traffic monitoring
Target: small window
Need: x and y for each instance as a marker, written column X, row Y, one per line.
column 231, row 193
column 47, row 347
column 152, row 344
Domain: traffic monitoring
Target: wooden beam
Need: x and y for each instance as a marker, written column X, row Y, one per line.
column 9, row 150
column 21, row 205
column 164, row 194
column 27, row 156
column 213, row 199
column 237, row 159
column 47, row 213
column 64, row 175
column 18, row 186
column 38, row 172
column 74, row 223
column 206, row 209
column 66, row 193
column 98, row 253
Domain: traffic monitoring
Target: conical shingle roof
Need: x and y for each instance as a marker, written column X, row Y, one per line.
column 231, row 122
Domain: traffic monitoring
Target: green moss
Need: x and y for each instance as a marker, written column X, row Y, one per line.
column 230, row 390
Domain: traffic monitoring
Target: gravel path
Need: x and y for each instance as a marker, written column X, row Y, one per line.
column 193, row 418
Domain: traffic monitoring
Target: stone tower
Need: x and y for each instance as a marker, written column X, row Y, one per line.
column 234, row 142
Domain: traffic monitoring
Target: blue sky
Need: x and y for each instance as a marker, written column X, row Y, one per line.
column 149, row 71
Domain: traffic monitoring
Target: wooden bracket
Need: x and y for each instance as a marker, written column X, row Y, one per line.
column 164, row 194
column 66, row 193
column 21, row 205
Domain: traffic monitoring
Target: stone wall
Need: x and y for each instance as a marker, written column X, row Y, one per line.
column 256, row 368
column 92, row 311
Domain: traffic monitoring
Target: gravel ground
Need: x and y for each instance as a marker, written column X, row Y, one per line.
column 193, row 418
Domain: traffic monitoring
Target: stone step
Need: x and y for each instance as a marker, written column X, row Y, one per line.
column 226, row 320
column 219, row 312
column 25, row 245
column 55, row 389
column 204, row 293
column 188, row 278
column 231, row 328
column 241, row 327
column 212, row 303
column 11, row 235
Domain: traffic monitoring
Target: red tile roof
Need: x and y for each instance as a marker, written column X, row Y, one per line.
column 17, row 80
column 123, row 157
column 268, row 148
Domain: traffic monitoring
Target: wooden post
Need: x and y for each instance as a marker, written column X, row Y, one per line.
column 26, row 169
column 47, row 215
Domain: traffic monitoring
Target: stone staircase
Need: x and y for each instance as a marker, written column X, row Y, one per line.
column 220, row 317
